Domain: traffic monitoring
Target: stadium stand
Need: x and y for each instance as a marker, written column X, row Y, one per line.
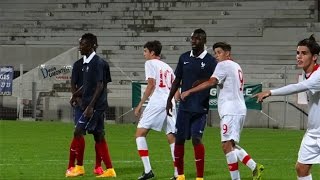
column 263, row 34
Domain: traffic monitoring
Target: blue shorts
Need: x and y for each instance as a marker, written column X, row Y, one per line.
column 92, row 125
column 190, row 124
column 77, row 112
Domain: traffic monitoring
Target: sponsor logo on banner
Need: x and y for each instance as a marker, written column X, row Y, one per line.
column 58, row 72
column 6, row 77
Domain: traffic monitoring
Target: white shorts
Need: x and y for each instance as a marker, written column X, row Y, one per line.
column 155, row 117
column 309, row 152
column 231, row 127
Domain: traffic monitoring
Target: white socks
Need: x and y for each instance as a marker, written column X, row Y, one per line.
column 144, row 153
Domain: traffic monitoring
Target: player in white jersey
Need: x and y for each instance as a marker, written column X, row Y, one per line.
column 309, row 153
column 232, row 110
column 160, row 77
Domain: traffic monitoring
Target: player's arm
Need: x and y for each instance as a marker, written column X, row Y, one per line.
column 147, row 93
column 285, row 90
column 177, row 96
column 205, row 85
column 174, row 88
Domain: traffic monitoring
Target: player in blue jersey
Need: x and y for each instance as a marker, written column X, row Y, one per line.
column 228, row 76
column 93, row 104
column 193, row 67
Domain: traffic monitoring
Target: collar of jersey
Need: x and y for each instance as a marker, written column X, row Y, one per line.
column 201, row 56
column 315, row 67
column 87, row 60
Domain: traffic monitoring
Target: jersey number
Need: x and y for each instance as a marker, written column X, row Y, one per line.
column 163, row 78
column 224, row 129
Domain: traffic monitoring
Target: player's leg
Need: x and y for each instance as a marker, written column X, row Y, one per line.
column 182, row 133
column 197, row 129
column 143, row 151
column 97, row 126
column 98, row 170
column 171, row 140
column 229, row 134
column 303, row 171
column 170, row 132
column 308, row 155
column 256, row 168
column 72, row 152
column 153, row 117
column 78, row 145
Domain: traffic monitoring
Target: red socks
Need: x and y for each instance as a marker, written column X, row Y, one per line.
column 199, row 158
column 178, row 156
column 98, row 157
column 104, row 153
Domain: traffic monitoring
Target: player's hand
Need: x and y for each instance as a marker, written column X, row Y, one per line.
column 262, row 95
column 184, row 95
column 72, row 101
column 137, row 111
column 169, row 108
column 88, row 112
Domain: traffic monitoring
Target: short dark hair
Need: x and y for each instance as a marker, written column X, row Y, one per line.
column 154, row 46
column 223, row 45
column 201, row 33
column 311, row 43
column 91, row 39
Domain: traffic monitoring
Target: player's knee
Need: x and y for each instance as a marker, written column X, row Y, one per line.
column 141, row 132
column 196, row 140
column 179, row 141
column 77, row 133
column 302, row 169
column 98, row 137
column 227, row 146
column 170, row 138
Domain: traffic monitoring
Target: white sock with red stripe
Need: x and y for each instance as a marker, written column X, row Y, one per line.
column 245, row 158
column 144, row 153
column 174, row 164
column 232, row 161
column 305, row 178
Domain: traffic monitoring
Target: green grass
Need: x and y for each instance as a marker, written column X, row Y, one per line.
column 39, row 150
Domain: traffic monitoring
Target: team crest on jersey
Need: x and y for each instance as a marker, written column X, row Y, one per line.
column 203, row 65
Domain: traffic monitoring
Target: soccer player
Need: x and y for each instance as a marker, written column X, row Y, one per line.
column 307, row 56
column 193, row 66
column 159, row 76
column 232, row 110
column 93, row 103
column 75, row 101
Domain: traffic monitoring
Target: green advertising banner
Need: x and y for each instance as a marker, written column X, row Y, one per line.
column 249, row 89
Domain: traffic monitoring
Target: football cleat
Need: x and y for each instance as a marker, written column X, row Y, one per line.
column 146, row 176
column 108, row 173
column 75, row 171
column 68, row 172
column 98, row 170
column 173, row 178
column 199, row 178
column 257, row 172
column 181, row 177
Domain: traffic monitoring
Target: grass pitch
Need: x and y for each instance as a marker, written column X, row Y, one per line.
column 39, row 150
